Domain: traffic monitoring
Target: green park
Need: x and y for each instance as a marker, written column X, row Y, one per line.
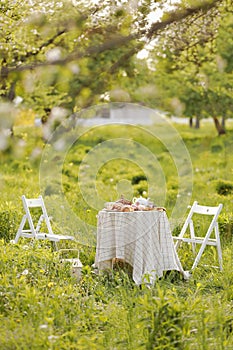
column 108, row 102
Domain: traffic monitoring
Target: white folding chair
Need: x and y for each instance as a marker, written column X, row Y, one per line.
column 34, row 231
column 206, row 240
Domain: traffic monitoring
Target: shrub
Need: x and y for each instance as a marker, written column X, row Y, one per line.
column 137, row 178
column 225, row 222
column 224, row 187
column 8, row 224
column 216, row 148
column 171, row 197
column 140, row 188
column 51, row 189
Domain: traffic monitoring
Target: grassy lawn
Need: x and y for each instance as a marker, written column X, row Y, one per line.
column 44, row 307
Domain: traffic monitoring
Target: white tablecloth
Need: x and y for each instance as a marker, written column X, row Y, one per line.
column 143, row 239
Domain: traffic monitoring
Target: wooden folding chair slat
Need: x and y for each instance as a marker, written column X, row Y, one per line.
column 34, row 230
column 205, row 240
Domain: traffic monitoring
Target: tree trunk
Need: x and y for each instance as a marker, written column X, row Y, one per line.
column 221, row 130
column 197, row 123
column 223, row 123
column 11, row 96
column 191, row 122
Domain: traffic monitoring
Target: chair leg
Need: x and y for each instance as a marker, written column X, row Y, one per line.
column 54, row 246
column 192, row 234
column 219, row 250
column 201, row 250
column 220, row 257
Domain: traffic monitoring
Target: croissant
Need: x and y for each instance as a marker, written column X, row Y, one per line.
column 117, row 206
column 127, row 208
column 160, row 208
column 124, row 201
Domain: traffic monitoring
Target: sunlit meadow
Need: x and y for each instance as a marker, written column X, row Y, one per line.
column 43, row 306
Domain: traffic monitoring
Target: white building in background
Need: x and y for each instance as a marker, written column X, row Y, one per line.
column 121, row 113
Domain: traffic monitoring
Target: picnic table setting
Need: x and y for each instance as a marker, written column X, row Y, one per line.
column 137, row 232
column 136, row 204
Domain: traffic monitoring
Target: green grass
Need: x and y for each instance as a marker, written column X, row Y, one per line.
column 42, row 306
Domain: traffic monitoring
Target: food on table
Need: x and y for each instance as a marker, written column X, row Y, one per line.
column 126, row 205
column 127, row 208
column 124, row 201
column 117, row 206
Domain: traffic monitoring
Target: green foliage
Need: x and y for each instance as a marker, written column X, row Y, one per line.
column 195, row 68
column 137, row 178
column 226, row 226
column 224, row 187
column 216, row 148
column 43, row 64
column 165, row 323
column 141, row 188
column 43, row 306
column 9, row 220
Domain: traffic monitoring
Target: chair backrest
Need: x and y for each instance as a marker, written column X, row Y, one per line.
column 206, row 210
column 36, row 203
column 203, row 210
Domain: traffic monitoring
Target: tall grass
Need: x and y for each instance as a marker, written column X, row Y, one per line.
column 43, row 306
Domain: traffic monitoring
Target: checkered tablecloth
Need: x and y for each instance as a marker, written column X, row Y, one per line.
column 143, row 239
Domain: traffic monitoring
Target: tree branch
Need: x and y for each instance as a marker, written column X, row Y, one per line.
column 92, row 50
column 121, row 41
column 45, row 44
column 177, row 16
